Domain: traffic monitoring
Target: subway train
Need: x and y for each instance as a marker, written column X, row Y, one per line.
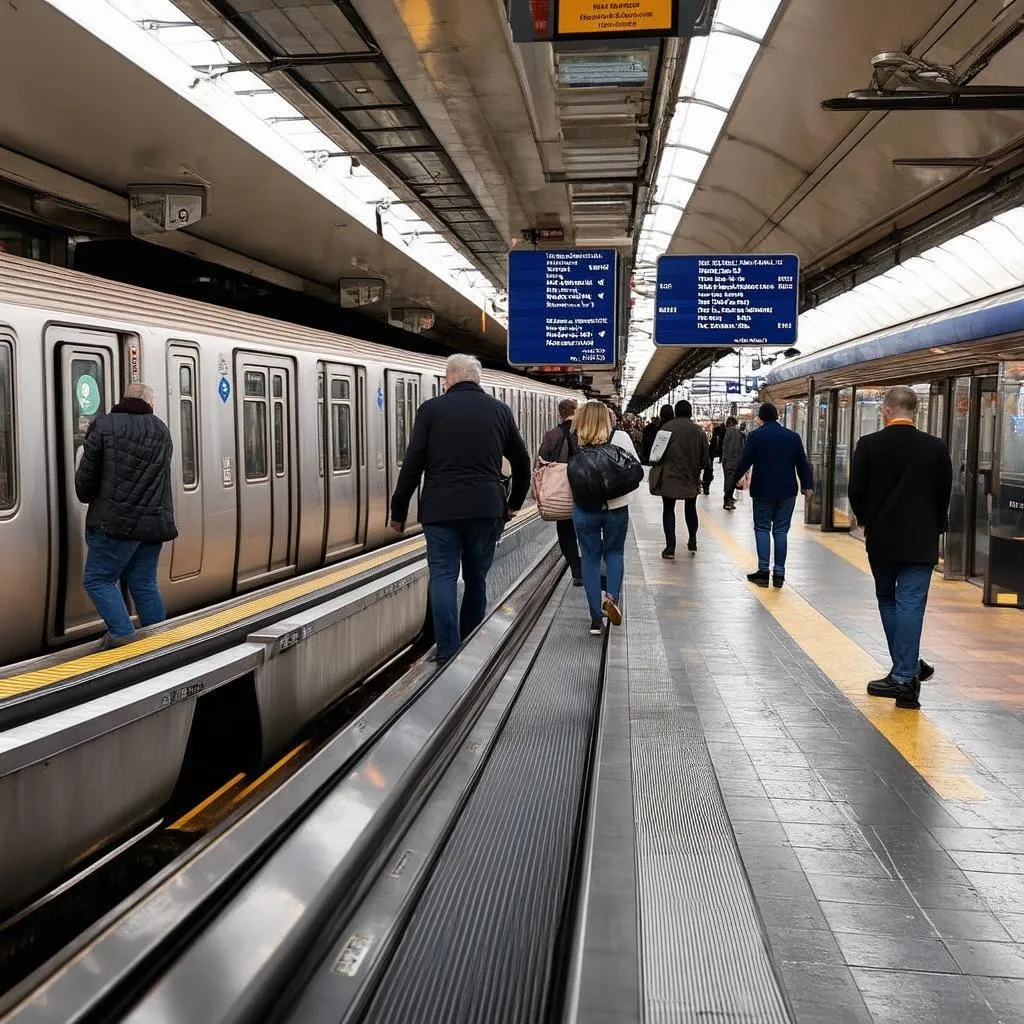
column 287, row 441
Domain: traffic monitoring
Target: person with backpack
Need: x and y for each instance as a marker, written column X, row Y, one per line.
column 557, row 446
column 603, row 473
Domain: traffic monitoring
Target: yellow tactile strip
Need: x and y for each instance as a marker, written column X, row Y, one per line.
column 26, row 682
column 923, row 743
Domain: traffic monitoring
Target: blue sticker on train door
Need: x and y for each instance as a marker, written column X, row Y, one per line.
column 224, row 389
column 380, row 398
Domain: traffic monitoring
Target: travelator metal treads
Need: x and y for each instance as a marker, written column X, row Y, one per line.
column 481, row 945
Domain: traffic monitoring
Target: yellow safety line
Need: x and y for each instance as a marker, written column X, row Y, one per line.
column 924, row 744
column 272, row 770
column 199, row 808
column 26, row 682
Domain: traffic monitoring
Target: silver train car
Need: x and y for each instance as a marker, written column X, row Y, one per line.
column 287, row 440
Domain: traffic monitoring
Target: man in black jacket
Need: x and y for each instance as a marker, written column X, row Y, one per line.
column 125, row 478
column 557, row 445
column 900, row 483
column 458, row 441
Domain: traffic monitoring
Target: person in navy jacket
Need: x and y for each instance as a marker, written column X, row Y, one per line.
column 777, row 458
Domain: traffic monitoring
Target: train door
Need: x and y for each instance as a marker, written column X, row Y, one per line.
column 186, row 475
column 972, row 436
column 267, row 495
column 402, row 391
column 340, row 458
column 88, row 370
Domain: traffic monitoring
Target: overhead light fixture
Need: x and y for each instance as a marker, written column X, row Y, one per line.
column 361, row 90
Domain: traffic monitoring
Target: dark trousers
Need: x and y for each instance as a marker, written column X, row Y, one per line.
column 108, row 562
column 902, row 592
column 706, row 478
column 668, row 519
column 567, row 541
column 469, row 544
column 729, row 492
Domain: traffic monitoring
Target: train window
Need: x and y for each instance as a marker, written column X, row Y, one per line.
column 8, row 482
column 254, row 425
column 187, row 422
column 341, row 436
column 278, row 386
column 401, row 432
column 255, row 384
column 320, row 419
column 280, row 435
column 341, row 389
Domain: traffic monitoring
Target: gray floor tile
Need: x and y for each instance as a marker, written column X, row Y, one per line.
column 969, row 924
column 901, row 921
column 903, row 997
column 898, row 954
column 852, row 889
column 991, row 959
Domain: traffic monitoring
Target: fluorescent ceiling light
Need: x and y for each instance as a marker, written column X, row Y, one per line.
column 244, row 104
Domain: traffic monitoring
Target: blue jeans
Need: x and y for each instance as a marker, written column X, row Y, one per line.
column 108, row 562
column 468, row 543
column 772, row 517
column 600, row 534
column 902, row 592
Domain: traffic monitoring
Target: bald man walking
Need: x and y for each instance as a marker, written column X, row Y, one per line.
column 124, row 477
column 900, row 482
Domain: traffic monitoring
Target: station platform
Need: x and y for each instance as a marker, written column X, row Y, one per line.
column 882, row 849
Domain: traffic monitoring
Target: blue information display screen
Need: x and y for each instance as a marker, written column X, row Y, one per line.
column 727, row 300
column 561, row 307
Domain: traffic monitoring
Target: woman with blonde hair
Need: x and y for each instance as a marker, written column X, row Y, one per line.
column 600, row 514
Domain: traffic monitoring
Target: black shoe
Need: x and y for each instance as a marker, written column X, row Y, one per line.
column 706, row 491
column 883, row 687
column 761, row 577
column 925, row 671
column 668, row 554
column 111, row 643
column 596, row 627
column 691, row 545
column 730, row 506
column 577, row 581
column 909, row 696
column 778, row 580
column 905, row 694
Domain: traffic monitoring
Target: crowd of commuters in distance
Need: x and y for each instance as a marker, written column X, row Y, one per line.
column 586, row 472
column 899, row 490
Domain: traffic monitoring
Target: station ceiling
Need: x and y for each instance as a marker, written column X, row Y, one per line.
column 88, row 121
column 851, row 192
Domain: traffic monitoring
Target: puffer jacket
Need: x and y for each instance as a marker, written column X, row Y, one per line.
column 125, row 475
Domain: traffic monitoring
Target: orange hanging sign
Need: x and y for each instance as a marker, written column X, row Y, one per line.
column 614, row 16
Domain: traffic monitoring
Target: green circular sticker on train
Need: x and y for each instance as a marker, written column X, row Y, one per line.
column 87, row 391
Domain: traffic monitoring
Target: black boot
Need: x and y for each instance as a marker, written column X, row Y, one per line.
column 762, row 577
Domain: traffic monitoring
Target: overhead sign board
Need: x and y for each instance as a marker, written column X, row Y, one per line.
column 727, row 300
column 613, row 17
column 561, row 308
column 550, row 21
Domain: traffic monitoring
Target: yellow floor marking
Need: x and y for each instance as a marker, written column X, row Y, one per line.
column 923, row 743
column 271, row 771
column 183, row 821
column 26, row 682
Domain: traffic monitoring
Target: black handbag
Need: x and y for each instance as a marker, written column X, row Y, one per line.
column 600, row 473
